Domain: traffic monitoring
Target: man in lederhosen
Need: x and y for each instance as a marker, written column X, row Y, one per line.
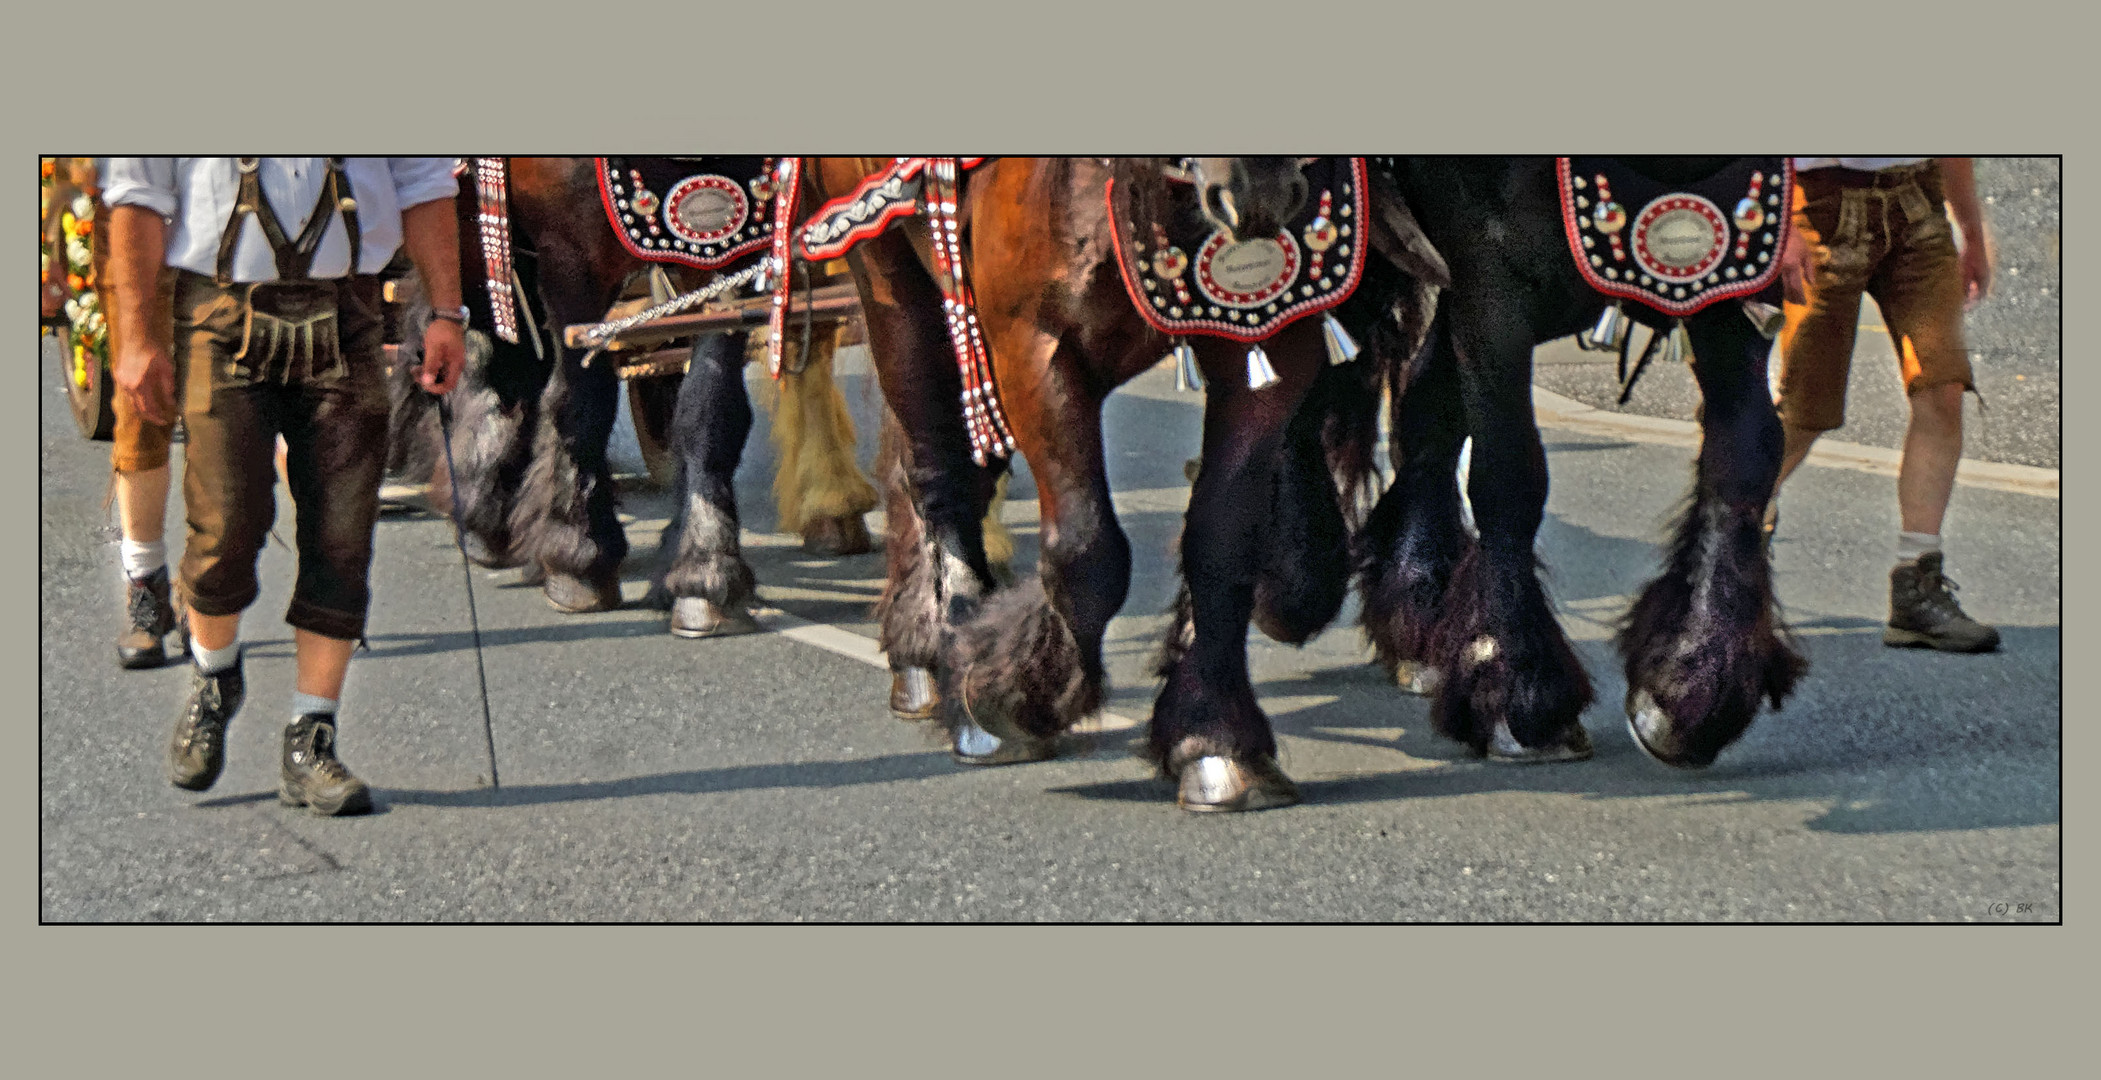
column 277, row 315
column 1880, row 227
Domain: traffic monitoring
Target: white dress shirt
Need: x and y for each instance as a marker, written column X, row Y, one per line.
column 1861, row 164
column 196, row 196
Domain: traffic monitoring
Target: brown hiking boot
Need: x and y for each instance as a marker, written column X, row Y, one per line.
column 1923, row 613
column 152, row 619
column 313, row 777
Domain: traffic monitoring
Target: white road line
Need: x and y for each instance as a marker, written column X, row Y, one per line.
column 1568, row 414
column 856, row 647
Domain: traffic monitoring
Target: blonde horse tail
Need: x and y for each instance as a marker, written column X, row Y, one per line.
column 999, row 543
column 813, row 440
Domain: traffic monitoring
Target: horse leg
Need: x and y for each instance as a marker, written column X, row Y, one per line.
column 1305, row 568
column 935, row 495
column 704, row 579
column 1414, row 536
column 819, row 489
column 1029, row 665
column 1705, row 642
column 1208, row 732
column 1510, row 685
column 564, row 517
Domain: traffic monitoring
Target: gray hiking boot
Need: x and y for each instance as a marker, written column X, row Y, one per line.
column 197, row 749
column 313, row 777
column 1923, row 613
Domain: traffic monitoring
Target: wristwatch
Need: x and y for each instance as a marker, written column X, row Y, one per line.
column 458, row 315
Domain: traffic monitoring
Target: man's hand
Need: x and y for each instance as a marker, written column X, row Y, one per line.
column 1976, row 269
column 444, row 356
column 145, row 374
column 1796, row 267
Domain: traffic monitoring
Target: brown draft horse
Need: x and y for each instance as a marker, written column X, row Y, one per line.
column 1266, row 537
column 530, row 434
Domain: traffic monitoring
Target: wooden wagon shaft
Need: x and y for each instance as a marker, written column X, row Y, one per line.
column 833, row 300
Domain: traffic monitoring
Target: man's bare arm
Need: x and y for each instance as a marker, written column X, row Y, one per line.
column 140, row 364
column 431, row 235
column 1959, row 181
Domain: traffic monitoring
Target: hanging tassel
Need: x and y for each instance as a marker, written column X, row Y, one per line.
column 1608, row 333
column 1187, row 376
column 1341, row 348
column 1259, row 373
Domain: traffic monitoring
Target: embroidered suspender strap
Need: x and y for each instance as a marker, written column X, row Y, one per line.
column 346, row 202
column 294, row 259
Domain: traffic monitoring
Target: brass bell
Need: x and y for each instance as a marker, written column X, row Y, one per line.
column 1341, row 348
column 1749, row 215
column 1259, row 373
column 1678, row 346
column 1187, row 376
column 1610, row 330
column 1609, row 217
column 1767, row 318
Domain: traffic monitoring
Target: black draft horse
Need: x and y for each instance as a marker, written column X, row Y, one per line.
column 1266, row 538
column 1703, row 644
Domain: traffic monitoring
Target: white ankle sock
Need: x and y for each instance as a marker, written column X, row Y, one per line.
column 1911, row 545
column 214, row 661
column 304, row 703
column 142, row 559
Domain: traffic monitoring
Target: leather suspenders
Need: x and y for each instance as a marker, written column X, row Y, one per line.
column 295, row 258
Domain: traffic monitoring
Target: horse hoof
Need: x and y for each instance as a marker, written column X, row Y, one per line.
column 974, row 745
column 837, row 536
column 696, row 617
column 1573, row 745
column 912, row 694
column 1653, row 733
column 1416, row 677
column 572, row 595
column 1221, row 785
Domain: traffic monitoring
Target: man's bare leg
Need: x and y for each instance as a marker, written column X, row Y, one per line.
column 1932, row 450
column 142, row 504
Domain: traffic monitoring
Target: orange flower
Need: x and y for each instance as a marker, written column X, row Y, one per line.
column 50, row 167
column 77, row 282
column 83, row 228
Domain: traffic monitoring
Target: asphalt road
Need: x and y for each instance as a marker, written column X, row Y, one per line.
column 762, row 778
column 2013, row 339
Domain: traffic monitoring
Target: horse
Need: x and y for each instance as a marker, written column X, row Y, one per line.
column 1267, row 535
column 1467, row 619
column 533, row 419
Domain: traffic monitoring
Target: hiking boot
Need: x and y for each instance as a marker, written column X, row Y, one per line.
column 313, row 777
column 197, row 750
column 152, row 619
column 1923, row 613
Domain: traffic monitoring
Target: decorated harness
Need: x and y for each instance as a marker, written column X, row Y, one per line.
column 1675, row 249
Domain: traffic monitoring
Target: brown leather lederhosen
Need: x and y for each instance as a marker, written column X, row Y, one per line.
column 296, row 357
column 1886, row 235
